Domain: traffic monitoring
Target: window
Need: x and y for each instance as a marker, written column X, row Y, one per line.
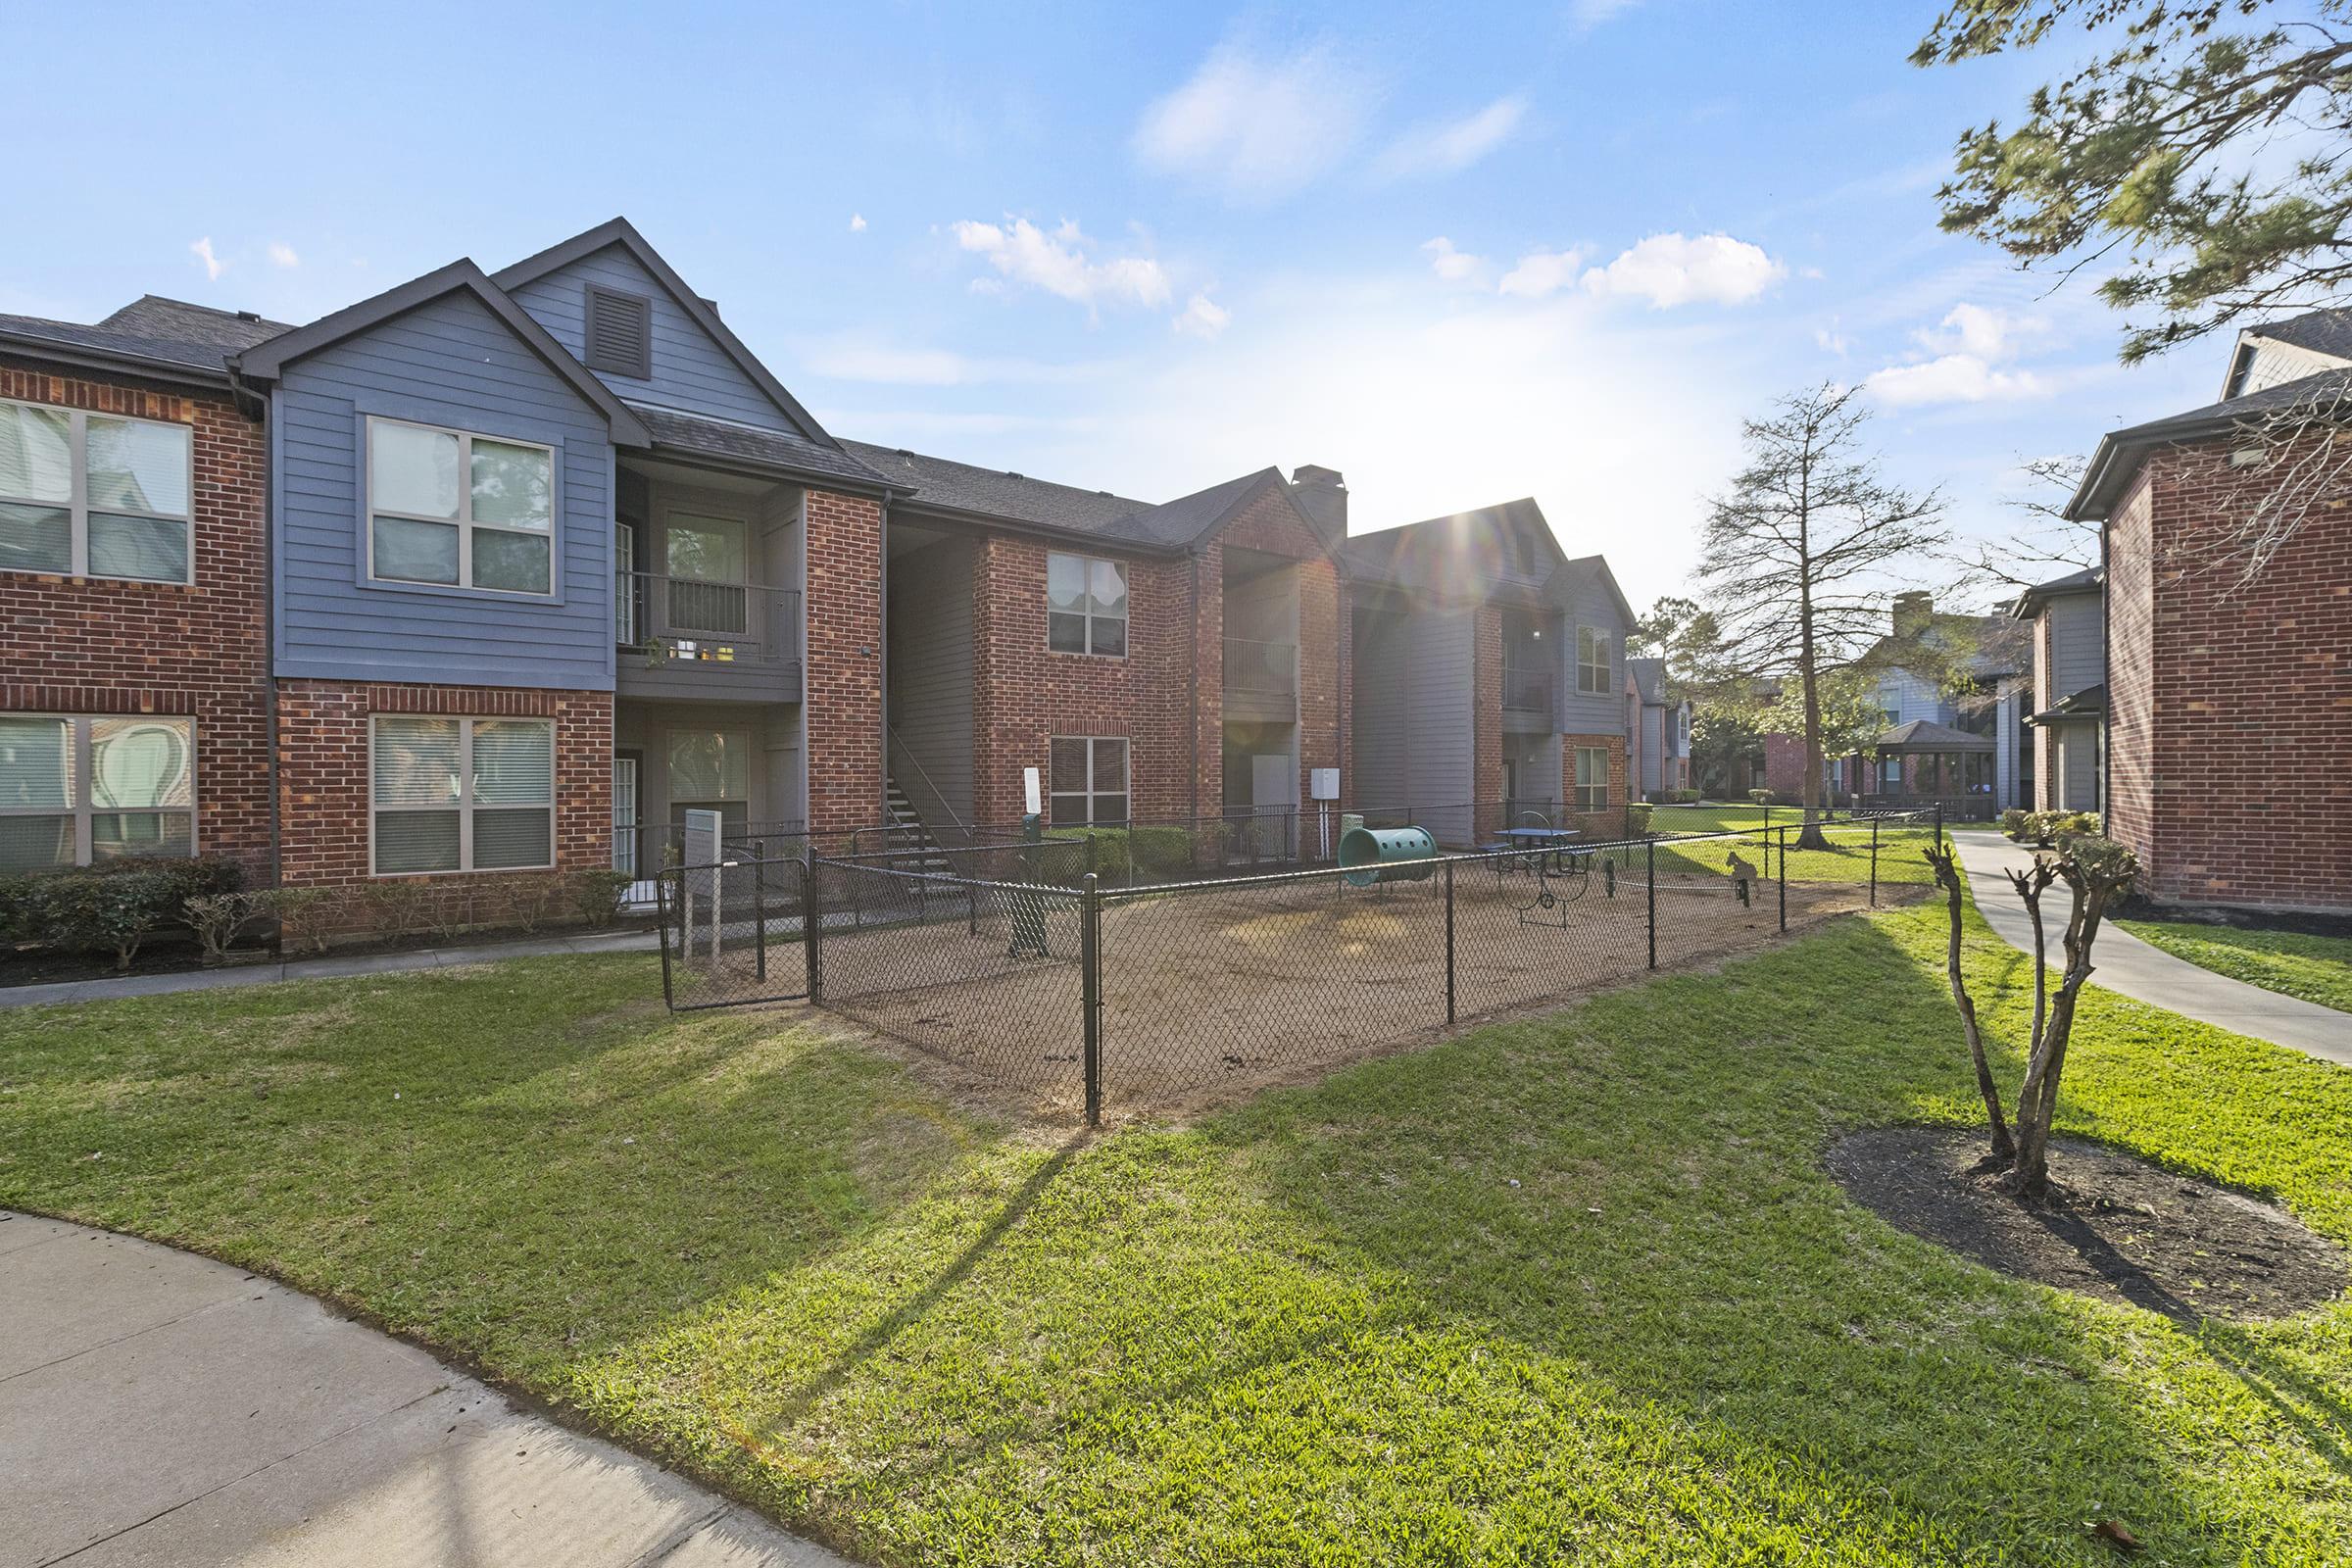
column 458, row 510
column 1592, row 778
column 1085, row 605
column 462, row 794
column 1089, row 780
column 709, row 766
column 1591, row 659
column 619, row 333
column 94, row 495
column 75, row 791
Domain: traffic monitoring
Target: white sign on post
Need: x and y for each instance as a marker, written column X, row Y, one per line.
column 1323, row 783
column 1031, row 791
column 699, row 882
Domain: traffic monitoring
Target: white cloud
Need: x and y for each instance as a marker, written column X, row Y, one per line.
column 1257, row 128
column 1832, row 338
column 1201, row 318
column 1058, row 263
column 214, row 266
column 1954, row 379
column 1543, row 273
column 282, row 254
column 856, row 223
column 1444, row 147
column 1669, row 269
column 1454, row 266
column 1984, row 332
column 1592, row 13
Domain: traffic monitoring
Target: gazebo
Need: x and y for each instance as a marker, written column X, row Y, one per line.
column 1934, row 762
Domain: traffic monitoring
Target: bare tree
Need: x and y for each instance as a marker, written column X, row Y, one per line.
column 2046, row 543
column 1796, row 560
column 2290, row 464
column 1948, row 877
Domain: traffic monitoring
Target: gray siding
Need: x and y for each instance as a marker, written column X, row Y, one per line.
column 1414, row 716
column 2076, row 644
column 690, row 371
column 1656, row 721
column 446, row 362
column 1592, row 712
column 1915, row 697
column 931, row 670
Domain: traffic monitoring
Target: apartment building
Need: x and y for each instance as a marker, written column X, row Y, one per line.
column 490, row 578
column 2067, row 620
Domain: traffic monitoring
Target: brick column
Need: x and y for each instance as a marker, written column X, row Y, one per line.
column 843, row 702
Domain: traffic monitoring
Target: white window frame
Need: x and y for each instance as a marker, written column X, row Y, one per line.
column 1093, row 790
column 465, row 805
column 84, row 778
column 1592, row 637
column 77, row 502
column 1125, row 619
column 1591, row 797
column 463, row 522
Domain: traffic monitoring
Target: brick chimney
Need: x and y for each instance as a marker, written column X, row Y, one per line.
column 1323, row 496
column 1914, row 614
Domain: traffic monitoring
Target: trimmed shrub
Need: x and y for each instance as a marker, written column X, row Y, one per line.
column 1760, row 797
column 1110, row 857
column 1161, row 853
column 596, row 896
column 2048, row 827
column 1637, row 820
column 111, row 909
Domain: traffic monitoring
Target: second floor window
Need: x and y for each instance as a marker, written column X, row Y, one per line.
column 1591, row 659
column 81, row 791
column 95, row 495
column 1085, row 605
column 459, row 510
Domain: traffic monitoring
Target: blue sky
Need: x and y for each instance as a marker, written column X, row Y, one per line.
column 1461, row 254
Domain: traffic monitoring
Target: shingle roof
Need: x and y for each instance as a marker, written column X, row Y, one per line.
column 1649, row 679
column 1448, row 551
column 995, row 493
column 1189, row 518
column 161, row 331
column 2089, row 580
column 1996, row 644
column 177, row 320
column 2321, row 331
column 773, row 449
column 2088, row 703
column 1926, row 735
column 2104, row 480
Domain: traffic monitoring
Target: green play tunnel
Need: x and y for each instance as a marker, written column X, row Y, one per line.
column 1370, row 855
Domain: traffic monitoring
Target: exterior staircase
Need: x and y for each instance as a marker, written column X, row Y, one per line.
column 919, row 851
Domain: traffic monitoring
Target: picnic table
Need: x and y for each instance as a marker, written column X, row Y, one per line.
column 1535, row 844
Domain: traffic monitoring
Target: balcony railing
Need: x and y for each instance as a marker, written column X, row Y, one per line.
column 1528, row 691
column 1266, row 669
column 701, row 620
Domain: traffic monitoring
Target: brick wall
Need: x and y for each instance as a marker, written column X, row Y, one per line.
column 2230, row 730
column 843, row 702
column 1570, row 744
column 87, row 645
column 1785, row 766
column 1023, row 694
column 324, row 787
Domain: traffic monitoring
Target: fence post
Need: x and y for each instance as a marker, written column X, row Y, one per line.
column 812, row 917
column 760, row 910
column 662, row 899
column 1450, row 943
column 1649, row 850
column 1090, row 970
column 1940, row 824
column 1873, row 863
column 1783, row 879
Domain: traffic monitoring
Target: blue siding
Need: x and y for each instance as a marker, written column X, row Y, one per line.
column 447, row 363
column 690, row 371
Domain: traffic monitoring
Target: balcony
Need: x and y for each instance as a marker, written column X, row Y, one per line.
column 1262, row 680
column 700, row 638
column 1527, row 705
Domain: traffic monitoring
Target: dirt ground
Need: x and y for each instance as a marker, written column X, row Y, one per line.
column 2124, row 1230
column 1222, row 989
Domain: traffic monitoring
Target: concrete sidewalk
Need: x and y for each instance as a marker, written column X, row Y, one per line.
column 160, row 1408
column 2123, row 963
column 326, row 968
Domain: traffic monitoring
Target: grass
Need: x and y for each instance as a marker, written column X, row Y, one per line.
column 2294, row 963
column 1567, row 1289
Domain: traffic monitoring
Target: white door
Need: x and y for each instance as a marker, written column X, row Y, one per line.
column 624, row 814
column 1272, row 784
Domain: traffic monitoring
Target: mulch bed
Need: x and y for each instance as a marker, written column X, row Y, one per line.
column 2123, row 1229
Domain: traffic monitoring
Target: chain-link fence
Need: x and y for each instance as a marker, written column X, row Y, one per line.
column 1024, row 963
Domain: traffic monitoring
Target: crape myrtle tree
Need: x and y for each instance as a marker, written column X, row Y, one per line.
column 1797, row 561
column 2197, row 155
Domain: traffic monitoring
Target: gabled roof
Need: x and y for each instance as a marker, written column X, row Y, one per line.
column 2327, row 333
column 1648, row 676
column 266, row 360
column 1926, row 735
column 1187, row 520
column 2089, row 580
column 1588, row 569
column 2119, row 453
column 623, row 233
column 1459, row 550
column 778, row 451
column 1997, row 645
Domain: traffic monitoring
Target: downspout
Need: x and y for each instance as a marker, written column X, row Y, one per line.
column 256, row 406
column 1192, row 790
column 2106, row 726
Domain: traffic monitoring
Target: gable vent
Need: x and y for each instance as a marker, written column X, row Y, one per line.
column 621, row 334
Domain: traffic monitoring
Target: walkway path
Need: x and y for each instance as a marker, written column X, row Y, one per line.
column 160, row 1408
column 2124, row 963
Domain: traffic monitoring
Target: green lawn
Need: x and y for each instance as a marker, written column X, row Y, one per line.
column 2316, row 968
column 1569, row 1288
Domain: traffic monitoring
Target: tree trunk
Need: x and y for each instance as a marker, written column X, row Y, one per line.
column 2004, row 1149
column 2031, row 1176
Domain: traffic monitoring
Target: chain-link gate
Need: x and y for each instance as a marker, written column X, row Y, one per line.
column 735, row 932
